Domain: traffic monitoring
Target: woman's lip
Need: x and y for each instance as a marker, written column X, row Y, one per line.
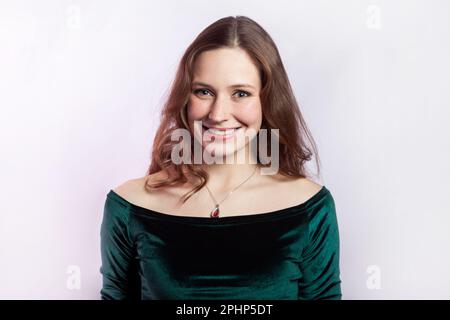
column 220, row 128
column 218, row 136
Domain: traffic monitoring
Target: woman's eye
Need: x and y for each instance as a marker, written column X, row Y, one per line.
column 200, row 90
column 246, row 94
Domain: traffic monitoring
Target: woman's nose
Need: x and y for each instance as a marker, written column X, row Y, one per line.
column 220, row 110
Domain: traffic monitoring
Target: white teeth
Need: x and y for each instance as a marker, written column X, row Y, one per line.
column 222, row 132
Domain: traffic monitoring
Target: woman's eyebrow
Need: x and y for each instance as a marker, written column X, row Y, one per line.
column 239, row 85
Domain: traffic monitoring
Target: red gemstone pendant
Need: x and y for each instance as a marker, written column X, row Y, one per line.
column 215, row 213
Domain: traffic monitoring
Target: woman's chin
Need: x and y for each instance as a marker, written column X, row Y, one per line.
column 218, row 153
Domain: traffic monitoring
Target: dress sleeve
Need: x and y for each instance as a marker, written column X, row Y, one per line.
column 319, row 261
column 119, row 268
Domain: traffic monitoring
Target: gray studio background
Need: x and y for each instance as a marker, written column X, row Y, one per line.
column 81, row 84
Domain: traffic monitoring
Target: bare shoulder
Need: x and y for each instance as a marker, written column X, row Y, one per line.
column 135, row 191
column 287, row 191
column 301, row 189
column 308, row 186
column 130, row 189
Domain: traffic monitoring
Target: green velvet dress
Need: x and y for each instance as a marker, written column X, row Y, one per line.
column 291, row 253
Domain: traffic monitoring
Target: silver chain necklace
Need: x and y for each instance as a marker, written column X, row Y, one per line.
column 216, row 211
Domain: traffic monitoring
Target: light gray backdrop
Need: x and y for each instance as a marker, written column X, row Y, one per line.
column 81, row 84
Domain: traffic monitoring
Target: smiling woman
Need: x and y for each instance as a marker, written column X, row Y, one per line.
column 224, row 108
column 275, row 236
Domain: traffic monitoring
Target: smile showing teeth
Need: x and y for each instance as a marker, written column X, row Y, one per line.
column 227, row 134
column 222, row 132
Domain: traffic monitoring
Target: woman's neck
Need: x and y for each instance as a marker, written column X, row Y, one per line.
column 225, row 177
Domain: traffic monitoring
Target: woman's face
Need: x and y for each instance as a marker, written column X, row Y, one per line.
column 217, row 102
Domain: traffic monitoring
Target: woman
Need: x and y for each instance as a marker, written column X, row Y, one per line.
column 221, row 230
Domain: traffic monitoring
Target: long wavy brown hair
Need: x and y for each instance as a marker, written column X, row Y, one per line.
column 279, row 106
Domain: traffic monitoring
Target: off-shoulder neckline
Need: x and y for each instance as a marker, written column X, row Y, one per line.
column 263, row 216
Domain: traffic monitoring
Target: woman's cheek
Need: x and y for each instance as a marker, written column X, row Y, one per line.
column 197, row 109
column 250, row 114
